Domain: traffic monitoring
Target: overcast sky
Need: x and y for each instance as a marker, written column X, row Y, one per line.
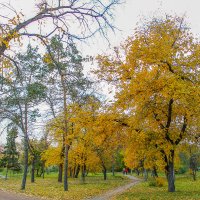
column 126, row 17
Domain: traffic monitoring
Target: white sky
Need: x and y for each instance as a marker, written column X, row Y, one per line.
column 127, row 15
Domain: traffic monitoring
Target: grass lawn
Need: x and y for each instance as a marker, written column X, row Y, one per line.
column 50, row 188
column 186, row 189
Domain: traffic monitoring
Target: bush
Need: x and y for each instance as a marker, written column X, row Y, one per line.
column 157, row 182
column 152, row 182
column 160, row 182
column 1, row 169
column 182, row 170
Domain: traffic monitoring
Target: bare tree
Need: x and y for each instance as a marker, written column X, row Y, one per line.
column 70, row 18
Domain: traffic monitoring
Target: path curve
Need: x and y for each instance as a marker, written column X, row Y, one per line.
column 117, row 190
column 6, row 195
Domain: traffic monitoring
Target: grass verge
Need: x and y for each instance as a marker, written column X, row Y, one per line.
column 186, row 189
column 49, row 188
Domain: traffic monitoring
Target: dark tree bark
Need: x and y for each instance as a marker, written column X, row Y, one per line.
column 25, row 128
column 104, row 173
column 23, row 185
column 113, row 169
column 66, row 168
column 154, row 172
column 77, row 171
column 60, row 172
column 145, row 174
column 83, row 171
column 33, row 170
column 170, row 172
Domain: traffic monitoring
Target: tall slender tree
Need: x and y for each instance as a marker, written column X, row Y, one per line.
column 21, row 93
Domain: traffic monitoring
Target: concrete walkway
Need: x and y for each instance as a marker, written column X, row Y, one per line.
column 5, row 195
column 108, row 195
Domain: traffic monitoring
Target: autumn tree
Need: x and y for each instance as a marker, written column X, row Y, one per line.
column 157, row 82
column 65, row 75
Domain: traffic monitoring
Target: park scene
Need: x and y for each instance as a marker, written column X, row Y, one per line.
column 99, row 100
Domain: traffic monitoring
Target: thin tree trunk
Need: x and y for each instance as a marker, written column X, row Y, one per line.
column 104, row 173
column 83, row 173
column 23, row 185
column 113, row 169
column 66, row 145
column 154, row 172
column 60, row 171
column 43, row 169
column 66, row 168
column 6, row 173
column 71, row 172
column 25, row 130
column 77, row 171
column 194, row 174
column 33, row 171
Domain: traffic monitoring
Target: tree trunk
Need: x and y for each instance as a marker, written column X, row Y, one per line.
column 170, row 173
column 60, row 170
column 104, row 173
column 6, row 177
column 66, row 168
column 113, row 169
column 43, row 170
column 83, row 174
column 33, row 171
column 194, row 174
column 25, row 162
column 71, row 172
column 154, row 172
column 137, row 172
column 77, row 171
column 145, row 174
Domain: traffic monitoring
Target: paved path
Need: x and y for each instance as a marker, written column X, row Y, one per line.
column 118, row 190
column 5, row 195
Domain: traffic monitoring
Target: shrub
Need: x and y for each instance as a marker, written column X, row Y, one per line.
column 160, row 182
column 152, row 182
column 157, row 182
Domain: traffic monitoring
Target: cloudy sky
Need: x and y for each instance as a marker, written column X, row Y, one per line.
column 126, row 17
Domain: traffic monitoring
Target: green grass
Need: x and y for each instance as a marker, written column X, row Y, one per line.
column 50, row 188
column 186, row 189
